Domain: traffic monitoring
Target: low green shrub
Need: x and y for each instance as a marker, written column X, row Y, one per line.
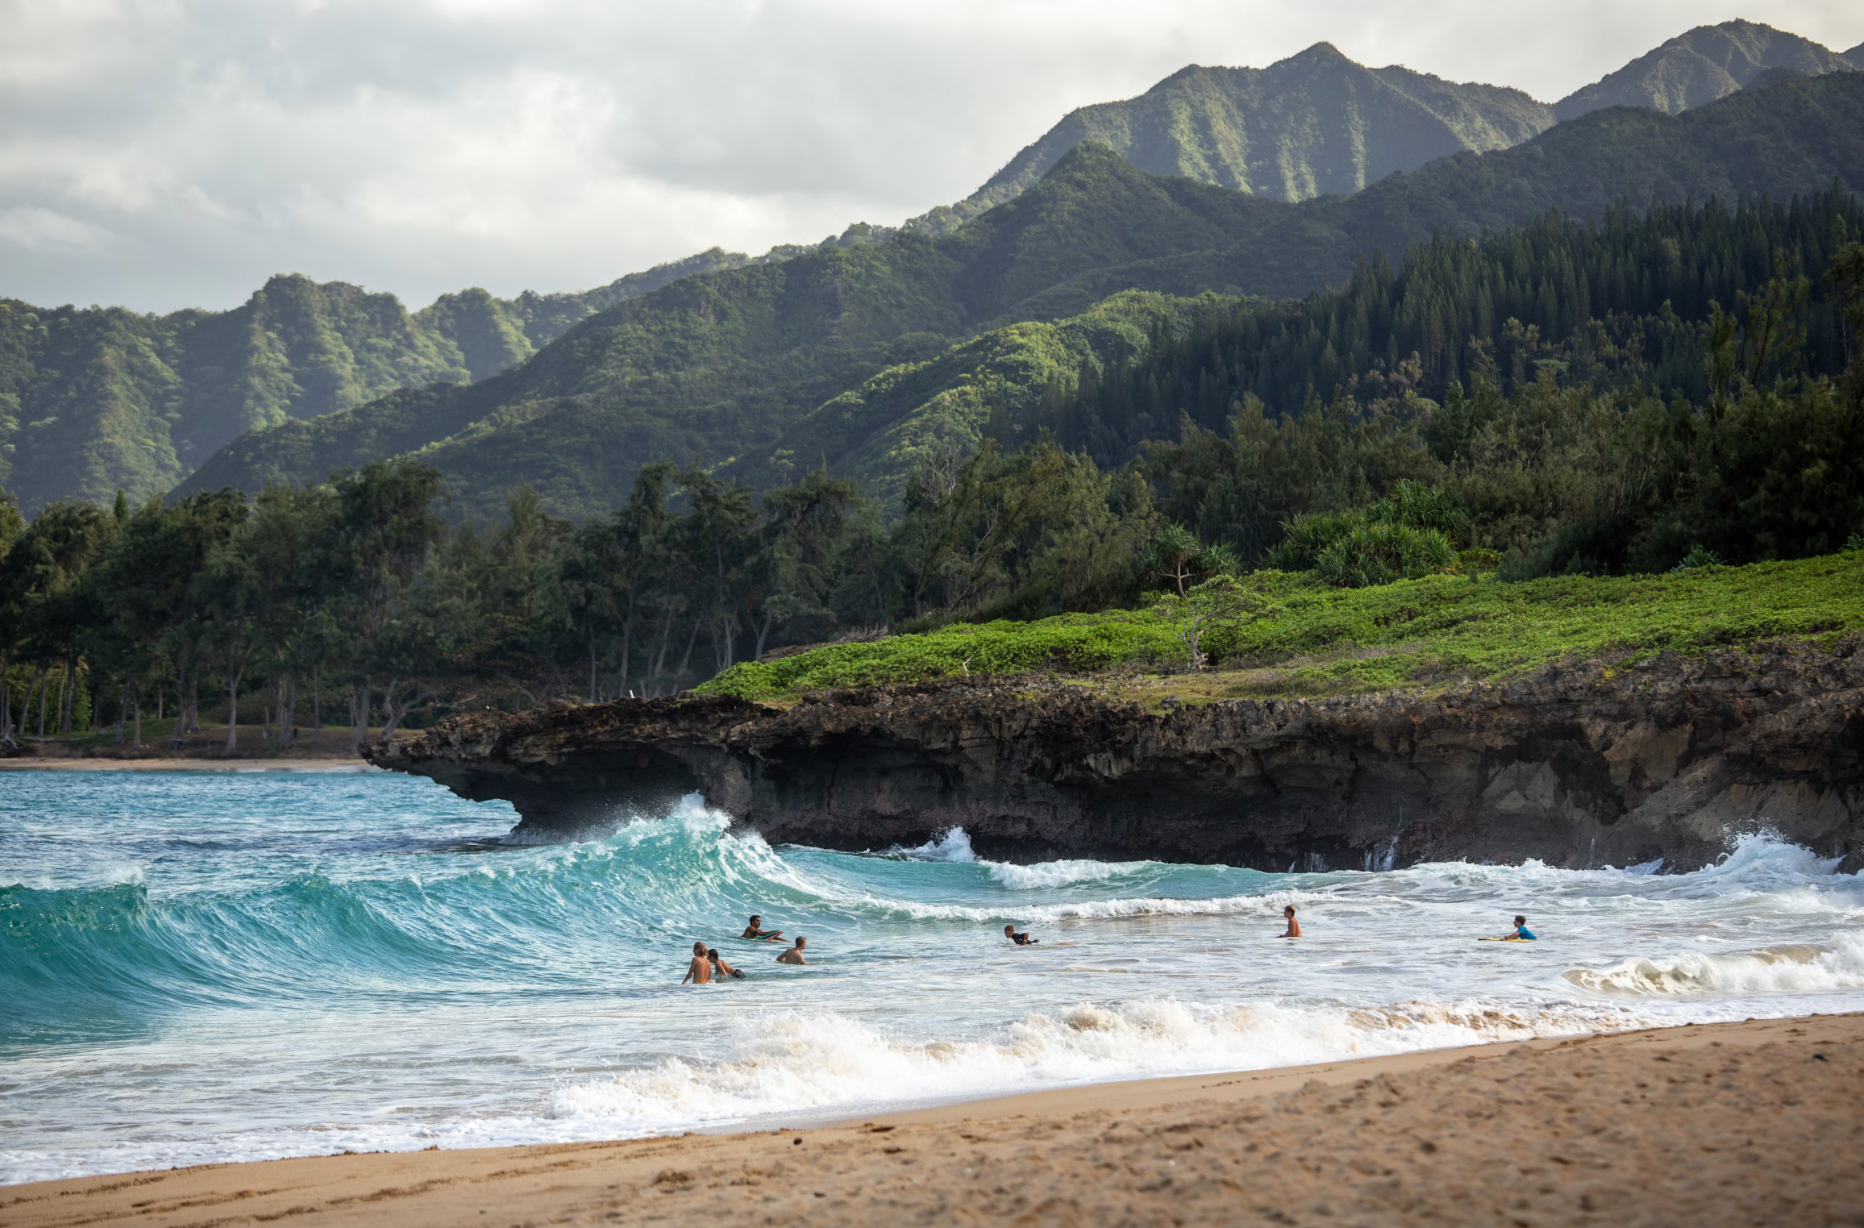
column 1327, row 639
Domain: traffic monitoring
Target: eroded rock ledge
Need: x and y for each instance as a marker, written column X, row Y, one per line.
column 1578, row 766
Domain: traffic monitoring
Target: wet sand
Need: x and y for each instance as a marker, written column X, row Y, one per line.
column 281, row 764
column 1743, row 1123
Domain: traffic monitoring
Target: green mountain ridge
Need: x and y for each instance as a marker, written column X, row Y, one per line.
column 1702, row 65
column 93, row 400
column 764, row 370
column 1315, row 123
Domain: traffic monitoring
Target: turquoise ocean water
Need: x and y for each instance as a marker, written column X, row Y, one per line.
column 205, row 966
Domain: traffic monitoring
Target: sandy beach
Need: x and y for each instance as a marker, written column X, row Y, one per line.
column 1741, row 1123
column 282, row 764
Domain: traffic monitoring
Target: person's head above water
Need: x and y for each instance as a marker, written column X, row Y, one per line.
column 801, row 942
column 699, row 949
column 1009, row 929
column 1520, row 920
column 1288, row 911
column 757, row 920
column 711, row 953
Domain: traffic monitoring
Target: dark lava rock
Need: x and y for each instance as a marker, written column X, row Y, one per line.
column 1582, row 765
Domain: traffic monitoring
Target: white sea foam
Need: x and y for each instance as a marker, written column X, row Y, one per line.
column 791, row 1063
column 952, row 845
column 1795, row 969
column 1049, row 874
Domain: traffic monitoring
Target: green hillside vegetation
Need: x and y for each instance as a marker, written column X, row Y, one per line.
column 101, row 399
column 1702, row 65
column 720, row 366
column 1308, row 638
column 1617, row 308
column 716, row 365
column 1311, row 124
column 1504, row 525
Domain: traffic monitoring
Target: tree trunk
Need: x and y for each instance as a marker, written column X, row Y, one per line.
column 361, row 729
column 627, row 648
column 763, row 633
column 686, row 658
column 63, row 724
column 232, row 708
column 593, row 697
column 135, row 697
column 122, row 704
column 287, row 710
column 6, row 699
column 317, row 698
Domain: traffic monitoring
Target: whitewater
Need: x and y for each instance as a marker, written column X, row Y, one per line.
column 202, row 967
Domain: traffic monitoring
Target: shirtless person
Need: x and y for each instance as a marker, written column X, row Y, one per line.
column 795, row 954
column 756, row 930
column 699, row 972
column 1294, row 927
column 719, row 967
column 1021, row 940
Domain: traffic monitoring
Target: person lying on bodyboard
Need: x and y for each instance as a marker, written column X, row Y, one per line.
column 1521, row 933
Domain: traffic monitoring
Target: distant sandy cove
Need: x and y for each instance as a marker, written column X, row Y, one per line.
column 183, row 765
column 1757, row 1123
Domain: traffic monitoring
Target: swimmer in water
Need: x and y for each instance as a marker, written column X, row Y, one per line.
column 1294, row 927
column 795, row 954
column 756, row 930
column 1522, row 932
column 699, row 972
column 719, row 967
column 1021, row 940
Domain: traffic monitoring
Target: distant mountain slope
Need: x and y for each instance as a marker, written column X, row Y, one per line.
column 717, row 364
column 1311, row 124
column 1798, row 135
column 104, row 398
column 1707, row 63
column 739, row 366
column 1856, row 56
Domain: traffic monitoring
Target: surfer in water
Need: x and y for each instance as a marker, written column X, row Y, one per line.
column 756, row 930
column 719, row 967
column 699, row 972
column 795, row 954
column 1294, row 927
column 1522, row 932
column 1021, row 940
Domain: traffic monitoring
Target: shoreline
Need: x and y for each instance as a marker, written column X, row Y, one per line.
column 1713, row 1123
column 285, row 763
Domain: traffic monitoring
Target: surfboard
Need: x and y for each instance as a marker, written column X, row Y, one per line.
column 1505, row 940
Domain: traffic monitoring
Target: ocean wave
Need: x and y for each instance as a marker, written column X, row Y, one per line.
column 1051, row 874
column 792, row 1063
column 951, row 845
column 1799, row 968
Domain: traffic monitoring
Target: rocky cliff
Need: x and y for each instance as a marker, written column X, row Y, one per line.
column 1577, row 766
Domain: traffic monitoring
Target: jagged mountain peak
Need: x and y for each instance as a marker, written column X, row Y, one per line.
column 1702, row 65
column 1314, row 123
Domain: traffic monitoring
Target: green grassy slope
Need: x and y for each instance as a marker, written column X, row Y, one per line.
column 1700, row 66
column 1315, row 640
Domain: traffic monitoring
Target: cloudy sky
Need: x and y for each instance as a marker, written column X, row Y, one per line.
column 171, row 153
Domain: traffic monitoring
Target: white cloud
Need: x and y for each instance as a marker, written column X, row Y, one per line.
column 41, row 230
column 163, row 153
